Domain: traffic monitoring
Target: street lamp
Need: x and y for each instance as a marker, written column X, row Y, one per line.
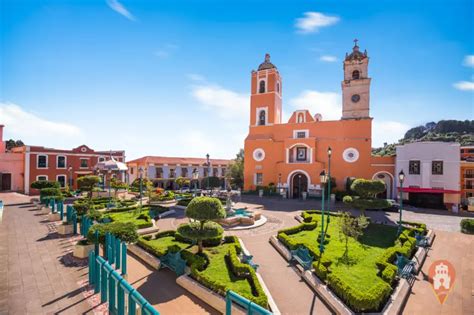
column 195, row 178
column 70, row 176
column 279, row 184
column 140, row 171
column 323, row 178
column 401, row 178
column 329, row 179
column 110, row 177
column 208, row 170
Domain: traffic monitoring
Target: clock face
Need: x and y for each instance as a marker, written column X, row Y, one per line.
column 355, row 98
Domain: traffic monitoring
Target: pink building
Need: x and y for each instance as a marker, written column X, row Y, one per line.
column 11, row 168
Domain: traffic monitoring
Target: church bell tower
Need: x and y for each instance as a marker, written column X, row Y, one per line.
column 356, row 85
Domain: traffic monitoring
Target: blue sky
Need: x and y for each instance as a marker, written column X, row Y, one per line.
column 172, row 77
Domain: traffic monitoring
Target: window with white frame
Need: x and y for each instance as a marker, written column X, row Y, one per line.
column 61, row 161
column 258, row 179
column 101, row 159
column 84, row 163
column 42, row 161
column 61, row 180
column 261, row 88
column 300, row 134
column 41, row 177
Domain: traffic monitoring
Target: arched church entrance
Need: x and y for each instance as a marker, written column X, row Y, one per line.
column 299, row 184
column 387, row 178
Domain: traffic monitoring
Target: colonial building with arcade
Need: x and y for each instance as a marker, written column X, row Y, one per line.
column 292, row 154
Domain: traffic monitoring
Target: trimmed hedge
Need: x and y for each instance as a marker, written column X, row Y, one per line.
column 467, row 226
column 127, row 232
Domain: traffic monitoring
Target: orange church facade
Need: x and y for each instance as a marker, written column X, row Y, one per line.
column 291, row 155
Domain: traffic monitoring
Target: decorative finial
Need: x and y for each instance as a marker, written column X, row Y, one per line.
column 355, row 42
column 267, row 57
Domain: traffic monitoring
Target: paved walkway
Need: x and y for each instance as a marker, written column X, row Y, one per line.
column 13, row 198
column 37, row 272
column 458, row 249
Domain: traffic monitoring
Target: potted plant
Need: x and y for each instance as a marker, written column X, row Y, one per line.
column 65, row 228
column 82, row 249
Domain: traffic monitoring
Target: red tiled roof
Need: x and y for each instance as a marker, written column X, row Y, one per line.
column 177, row 160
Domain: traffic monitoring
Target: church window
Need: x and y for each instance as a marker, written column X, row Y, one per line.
column 300, row 118
column 261, row 118
column 301, row 154
column 278, row 87
column 355, row 74
column 262, row 87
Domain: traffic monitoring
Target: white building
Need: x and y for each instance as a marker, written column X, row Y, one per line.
column 432, row 172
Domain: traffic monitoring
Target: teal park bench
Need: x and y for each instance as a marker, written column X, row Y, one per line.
column 405, row 267
column 421, row 240
column 174, row 262
column 302, row 255
column 248, row 259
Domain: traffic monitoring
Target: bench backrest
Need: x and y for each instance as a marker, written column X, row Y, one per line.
column 303, row 253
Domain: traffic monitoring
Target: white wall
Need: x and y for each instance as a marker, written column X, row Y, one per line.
column 426, row 152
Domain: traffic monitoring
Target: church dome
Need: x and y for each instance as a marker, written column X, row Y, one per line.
column 266, row 64
column 356, row 54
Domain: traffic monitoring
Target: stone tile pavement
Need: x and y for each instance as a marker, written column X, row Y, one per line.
column 458, row 249
column 37, row 272
column 12, row 198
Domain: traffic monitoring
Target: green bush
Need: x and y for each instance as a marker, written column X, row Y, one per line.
column 367, row 188
column 370, row 203
column 210, row 234
column 467, row 226
column 166, row 196
column 347, row 199
column 359, row 301
column 81, row 206
column 127, row 232
column 40, row 184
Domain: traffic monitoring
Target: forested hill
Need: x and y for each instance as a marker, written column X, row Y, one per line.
column 444, row 131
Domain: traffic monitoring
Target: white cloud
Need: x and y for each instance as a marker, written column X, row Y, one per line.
column 313, row 21
column 464, row 85
column 120, row 9
column 166, row 51
column 35, row 130
column 226, row 103
column 469, row 61
column 195, row 77
column 328, row 104
column 328, row 58
column 387, row 131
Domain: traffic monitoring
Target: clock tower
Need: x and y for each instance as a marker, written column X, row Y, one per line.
column 356, row 85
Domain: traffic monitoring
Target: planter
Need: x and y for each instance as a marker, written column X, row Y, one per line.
column 65, row 229
column 54, row 217
column 260, row 193
column 305, row 195
column 45, row 210
column 82, row 251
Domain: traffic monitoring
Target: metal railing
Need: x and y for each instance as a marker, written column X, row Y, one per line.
column 248, row 305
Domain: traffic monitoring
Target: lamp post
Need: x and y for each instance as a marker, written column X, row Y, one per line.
column 195, row 178
column 70, row 176
column 208, row 163
column 299, row 186
column 110, row 177
column 140, row 171
column 279, row 184
column 329, row 180
column 401, row 178
column 323, row 179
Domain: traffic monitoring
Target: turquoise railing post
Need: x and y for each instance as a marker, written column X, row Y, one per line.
column 120, row 297
column 228, row 304
column 131, row 303
column 91, row 267
column 124, row 258
column 106, row 247
column 103, row 284
column 96, row 243
column 111, row 294
column 74, row 222
column 51, row 204
column 68, row 213
column 61, row 210
column 117, row 253
column 98, row 266
column 81, row 227
column 112, row 249
column 245, row 303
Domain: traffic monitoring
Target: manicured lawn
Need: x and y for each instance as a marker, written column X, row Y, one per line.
column 358, row 268
column 218, row 271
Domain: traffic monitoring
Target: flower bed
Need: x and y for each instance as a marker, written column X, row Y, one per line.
column 218, row 268
column 365, row 276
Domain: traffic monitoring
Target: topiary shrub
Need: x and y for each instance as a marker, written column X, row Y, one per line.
column 40, row 184
column 127, row 232
column 467, row 226
column 199, row 232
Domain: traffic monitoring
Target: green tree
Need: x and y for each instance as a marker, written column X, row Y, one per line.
column 10, row 144
column 350, row 226
column 181, row 182
column 366, row 191
column 235, row 171
column 117, row 184
column 87, row 183
column 212, row 180
column 203, row 210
